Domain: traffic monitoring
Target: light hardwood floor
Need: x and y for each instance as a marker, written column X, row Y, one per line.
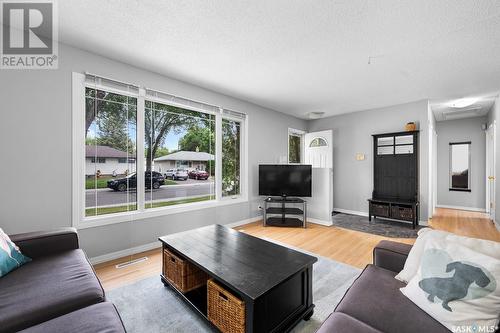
column 347, row 246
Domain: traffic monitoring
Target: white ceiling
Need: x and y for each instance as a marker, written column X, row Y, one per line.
column 300, row 56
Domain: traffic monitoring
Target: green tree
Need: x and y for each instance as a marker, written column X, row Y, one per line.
column 199, row 137
column 160, row 119
column 90, row 141
column 161, row 151
column 294, row 149
column 112, row 118
column 113, row 130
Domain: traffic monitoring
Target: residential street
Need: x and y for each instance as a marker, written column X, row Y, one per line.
column 105, row 197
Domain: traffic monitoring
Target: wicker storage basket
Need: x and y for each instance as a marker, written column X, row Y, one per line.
column 380, row 210
column 224, row 310
column 404, row 213
column 181, row 273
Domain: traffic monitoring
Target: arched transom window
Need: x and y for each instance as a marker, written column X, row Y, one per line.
column 318, row 142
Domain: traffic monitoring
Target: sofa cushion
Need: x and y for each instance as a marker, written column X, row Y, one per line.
column 10, row 255
column 102, row 318
column 374, row 298
column 339, row 322
column 46, row 288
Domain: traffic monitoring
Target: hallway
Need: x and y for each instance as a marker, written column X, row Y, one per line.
column 465, row 223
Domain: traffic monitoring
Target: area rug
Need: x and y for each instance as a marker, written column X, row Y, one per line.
column 148, row 306
column 377, row 226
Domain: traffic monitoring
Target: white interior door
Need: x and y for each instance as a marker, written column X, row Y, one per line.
column 490, row 170
column 318, row 149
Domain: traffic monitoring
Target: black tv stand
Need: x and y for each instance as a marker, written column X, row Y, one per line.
column 282, row 212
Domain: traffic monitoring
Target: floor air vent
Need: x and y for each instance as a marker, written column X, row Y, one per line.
column 131, row 262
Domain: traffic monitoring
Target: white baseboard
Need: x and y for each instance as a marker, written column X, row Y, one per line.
column 243, row 222
column 351, row 212
column 321, row 222
column 472, row 209
column 124, row 253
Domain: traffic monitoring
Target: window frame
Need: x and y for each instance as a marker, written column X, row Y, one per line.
column 301, row 134
column 450, row 171
column 78, row 160
column 243, row 156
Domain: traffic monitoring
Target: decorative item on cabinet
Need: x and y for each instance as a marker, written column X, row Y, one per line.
column 411, row 126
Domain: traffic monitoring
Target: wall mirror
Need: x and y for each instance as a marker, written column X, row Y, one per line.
column 460, row 166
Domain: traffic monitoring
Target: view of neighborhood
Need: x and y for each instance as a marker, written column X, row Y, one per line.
column 179, row 150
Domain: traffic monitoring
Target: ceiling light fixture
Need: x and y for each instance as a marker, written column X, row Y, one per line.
column 315, row 115
column 463, row 102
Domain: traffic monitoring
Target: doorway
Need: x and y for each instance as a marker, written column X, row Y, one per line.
column 318, row 149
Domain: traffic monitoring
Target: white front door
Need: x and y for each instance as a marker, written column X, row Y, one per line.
column 318, row 149
column 490, row 170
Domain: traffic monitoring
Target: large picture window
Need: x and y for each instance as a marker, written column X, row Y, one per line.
column 460, row 166
column 138, row 152
column 180, row 146
column 110, row 152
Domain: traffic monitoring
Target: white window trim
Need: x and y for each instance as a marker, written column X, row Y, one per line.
column 243, row 158
column 300, row 133
column 79, row 220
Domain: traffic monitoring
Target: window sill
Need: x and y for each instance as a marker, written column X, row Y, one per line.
column 460, row 189
column 103, row 220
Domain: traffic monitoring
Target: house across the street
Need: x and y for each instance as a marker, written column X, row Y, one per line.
column 107, row 161
column 183, row 160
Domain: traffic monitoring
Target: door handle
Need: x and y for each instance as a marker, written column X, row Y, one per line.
column 491, row 177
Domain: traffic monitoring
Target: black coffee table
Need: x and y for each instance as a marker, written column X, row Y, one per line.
column 275, row 282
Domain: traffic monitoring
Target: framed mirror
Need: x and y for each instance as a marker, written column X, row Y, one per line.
column 460, row 163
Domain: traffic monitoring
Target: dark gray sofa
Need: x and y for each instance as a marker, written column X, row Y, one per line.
column 57, row 291
column 374, row 303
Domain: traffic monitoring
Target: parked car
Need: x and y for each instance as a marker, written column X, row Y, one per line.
column 180, row 174
column 153, row 179
column 198, row 175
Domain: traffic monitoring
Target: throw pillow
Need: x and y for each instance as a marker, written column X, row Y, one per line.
column 412, row 263
column 457, row 286
column 10, row 255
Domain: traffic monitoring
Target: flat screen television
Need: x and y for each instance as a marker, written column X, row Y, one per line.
column 285, row 180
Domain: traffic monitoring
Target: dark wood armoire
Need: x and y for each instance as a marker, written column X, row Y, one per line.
column 395, row 177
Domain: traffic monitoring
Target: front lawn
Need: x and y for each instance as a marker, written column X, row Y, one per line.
column 125, row 208
column 109, row 210
column 102, row 182
column 178, row 202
